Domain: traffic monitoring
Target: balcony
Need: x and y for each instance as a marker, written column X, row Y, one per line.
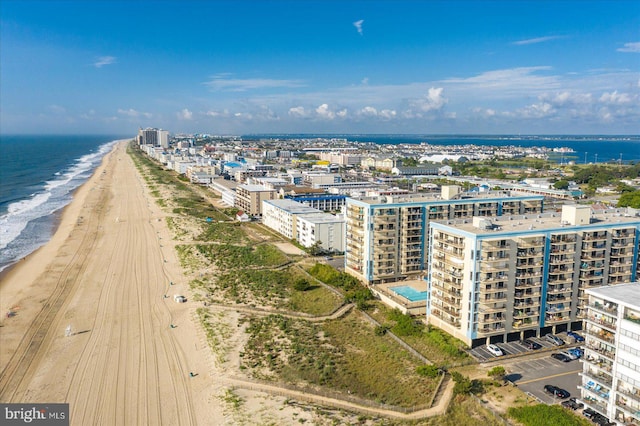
column 595, row 404
column 598, row 376
column 596, row 389
column 608, row 353
column 601, row 363
column 602, row 335
column 610, row 309
column 491, row 307
column 631, row 412
column 610, row 325
column 630, row 392
column 538, row 242
column 499, row 328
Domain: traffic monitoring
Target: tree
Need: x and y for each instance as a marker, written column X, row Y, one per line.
column 561, row 184
column 498, row 372
column 630, row 199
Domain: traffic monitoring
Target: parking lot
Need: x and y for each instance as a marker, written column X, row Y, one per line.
column 511, row 349
column 532, row 375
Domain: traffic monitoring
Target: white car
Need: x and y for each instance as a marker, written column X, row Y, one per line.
column 495, row 350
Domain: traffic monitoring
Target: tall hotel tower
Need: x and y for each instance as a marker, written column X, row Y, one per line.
column 506, row 278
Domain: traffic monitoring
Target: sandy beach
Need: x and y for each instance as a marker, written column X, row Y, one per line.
column 105, row 275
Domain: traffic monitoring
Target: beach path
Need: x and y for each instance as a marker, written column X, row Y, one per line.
column 104, row 282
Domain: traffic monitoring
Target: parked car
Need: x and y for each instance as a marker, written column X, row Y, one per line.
column 576, row 336
column 495, row 350
column 556, row 391
column 572, row 403
column 561, row 357
column 554, row 339
column 530, row 344
column 576, row 351
column 569, row 354
column 589, row 413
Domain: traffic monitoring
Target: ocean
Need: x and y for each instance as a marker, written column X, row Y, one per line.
column 588, row 148
column 37, row 178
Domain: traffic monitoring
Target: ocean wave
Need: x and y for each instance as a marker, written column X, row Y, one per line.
column 16, row 239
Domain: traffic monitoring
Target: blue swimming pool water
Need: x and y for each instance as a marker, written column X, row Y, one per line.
column 410, row 293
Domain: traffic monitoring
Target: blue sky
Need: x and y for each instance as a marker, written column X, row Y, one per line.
column 239, row 67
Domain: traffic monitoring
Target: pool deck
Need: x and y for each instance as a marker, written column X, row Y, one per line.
column 391, row 298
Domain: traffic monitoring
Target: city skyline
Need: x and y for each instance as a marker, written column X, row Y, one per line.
column 320, row 67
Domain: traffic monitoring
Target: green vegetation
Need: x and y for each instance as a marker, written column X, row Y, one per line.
column 434, row 344
column 464, row 410
column 464, row 385
column 353, row 290
column 227, row 256
column 344, row 354
column 428, row 370
column 543, row 415
column 223, row 232
column 630, row 199
column 497, row 372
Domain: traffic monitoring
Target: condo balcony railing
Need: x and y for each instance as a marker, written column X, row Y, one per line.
column 601, row 335
column 599, row 376
column 608, row 353
column 609, row 324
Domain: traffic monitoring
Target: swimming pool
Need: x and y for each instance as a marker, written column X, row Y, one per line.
column 409, row 293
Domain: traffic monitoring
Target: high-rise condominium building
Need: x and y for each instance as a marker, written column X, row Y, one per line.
column 387, row 236
column 507, row 278
column 610, row 381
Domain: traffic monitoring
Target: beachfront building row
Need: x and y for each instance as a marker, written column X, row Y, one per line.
column 496, row 279
column 387, row 236
column 306, row 225
column 610, row 382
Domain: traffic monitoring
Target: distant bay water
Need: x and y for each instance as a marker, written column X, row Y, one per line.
column 588, row 148
column 37, row 178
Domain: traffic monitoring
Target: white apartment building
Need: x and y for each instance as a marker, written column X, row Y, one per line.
column 281, row 216
column 611, row 363
column 321, row 228
column 304, row 224
column 497, row 279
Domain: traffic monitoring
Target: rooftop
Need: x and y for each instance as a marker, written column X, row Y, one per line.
column 291, row 206
column 501, row 225
column 625, row 294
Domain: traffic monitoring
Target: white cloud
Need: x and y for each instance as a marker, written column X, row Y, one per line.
column 615, row 98
column 630, row 47
column 538, row 110
column 298, row 111
column 342, row 113
column 219, row 82
column 365, row 81
column 358, row 25
column 433, row 101
column 185, row 114
column 369, row 111
column 509, row 80
column 134, row 114
column 535, row 40
column 104, row 60
column 323, row 111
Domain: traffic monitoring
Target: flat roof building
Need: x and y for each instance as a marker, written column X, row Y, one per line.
column 387, row 236
column 497, row 279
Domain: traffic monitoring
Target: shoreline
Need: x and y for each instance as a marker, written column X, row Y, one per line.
column 58, row 217
column 63, row 225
